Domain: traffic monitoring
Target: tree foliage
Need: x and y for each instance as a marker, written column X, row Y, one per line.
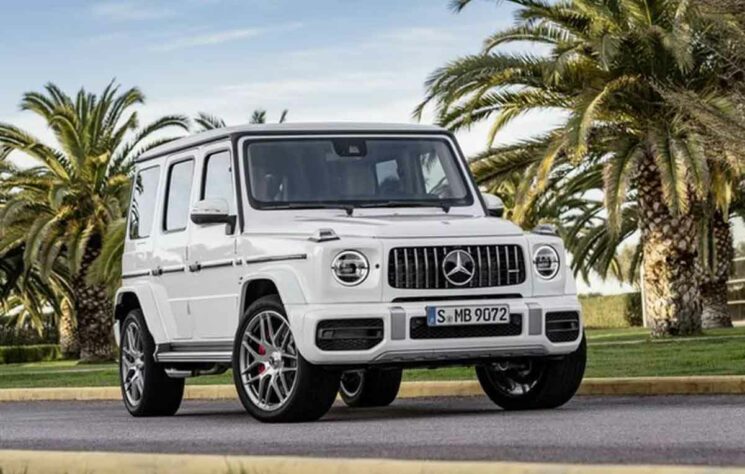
column 59, row 210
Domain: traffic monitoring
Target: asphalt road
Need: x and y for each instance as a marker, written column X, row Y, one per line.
column 667, row 430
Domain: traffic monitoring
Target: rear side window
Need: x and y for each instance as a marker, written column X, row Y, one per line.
column 218, row 179
column 142, row 211
column 176, row 214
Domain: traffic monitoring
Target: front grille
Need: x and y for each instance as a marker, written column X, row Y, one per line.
column 562, row 326
column 422, row 267
column 418, row 329
column 349, row 334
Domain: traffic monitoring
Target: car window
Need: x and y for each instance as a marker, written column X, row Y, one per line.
column 142, row 211
column 218, row 179
column 180, row 176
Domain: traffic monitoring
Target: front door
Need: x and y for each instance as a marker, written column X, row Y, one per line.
column 212, row 253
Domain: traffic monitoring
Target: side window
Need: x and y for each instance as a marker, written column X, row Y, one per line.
column 178, row 191
column 142, row 211
column 217, row 182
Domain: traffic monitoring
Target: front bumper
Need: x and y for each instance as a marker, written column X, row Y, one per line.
column 398, row 347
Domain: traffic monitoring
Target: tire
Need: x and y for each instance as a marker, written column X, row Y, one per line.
column 370, row 388
column 146, row 389
column 547, row 383
column 274, row 382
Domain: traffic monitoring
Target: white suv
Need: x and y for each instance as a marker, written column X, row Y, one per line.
column 316, row 259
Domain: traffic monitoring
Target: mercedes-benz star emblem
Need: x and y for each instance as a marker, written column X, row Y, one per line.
column 458, row 267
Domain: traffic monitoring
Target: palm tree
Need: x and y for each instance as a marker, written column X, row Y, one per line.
column 717, row 247
column 62, row 207
column 566, row 202
column 607, row 59
column 206, row 121
column 27, row 298
column 593, row 246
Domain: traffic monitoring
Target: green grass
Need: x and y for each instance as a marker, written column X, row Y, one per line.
column 611, row 311
column 612, row 353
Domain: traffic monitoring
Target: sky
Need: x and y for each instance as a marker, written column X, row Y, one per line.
column 323, row 60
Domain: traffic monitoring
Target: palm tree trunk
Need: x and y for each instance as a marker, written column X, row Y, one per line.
column 716, row 272
column 68, row 332
column 93, row 309
column 670, row 246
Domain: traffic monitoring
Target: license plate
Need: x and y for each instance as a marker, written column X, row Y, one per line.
column 467, row 315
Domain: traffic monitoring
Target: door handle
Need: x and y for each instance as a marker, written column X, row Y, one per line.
column 157, row 271
column 195, row 267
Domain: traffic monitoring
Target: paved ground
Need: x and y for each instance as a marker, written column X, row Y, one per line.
column 667, row 430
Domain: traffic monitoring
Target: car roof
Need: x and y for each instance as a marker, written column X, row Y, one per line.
column 286, row 128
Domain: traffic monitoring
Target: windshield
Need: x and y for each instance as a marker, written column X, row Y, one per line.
column 358, row 172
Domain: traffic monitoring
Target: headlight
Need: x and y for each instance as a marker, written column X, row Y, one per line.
column 546, row 262
column 350, row 268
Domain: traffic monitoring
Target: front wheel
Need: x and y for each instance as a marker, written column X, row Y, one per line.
column 274, row 382
column 534, row 383
column 370, row 388
column 146, row 389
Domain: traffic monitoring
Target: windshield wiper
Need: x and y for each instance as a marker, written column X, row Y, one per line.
column 348, row 208
column 403, row 203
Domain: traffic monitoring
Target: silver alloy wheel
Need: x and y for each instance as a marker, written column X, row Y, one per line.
column 268, row 360
column 516, row 379
column 133, row 363
column 351, row 382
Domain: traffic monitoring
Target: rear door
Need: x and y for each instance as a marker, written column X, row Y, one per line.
column 138, row 244
column 170, row 273
column 212, row 252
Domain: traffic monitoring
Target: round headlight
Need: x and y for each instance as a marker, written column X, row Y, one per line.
column 546, row 262
column 350, row 268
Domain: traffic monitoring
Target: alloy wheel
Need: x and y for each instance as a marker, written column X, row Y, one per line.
column 133, row 364
column 268, row 360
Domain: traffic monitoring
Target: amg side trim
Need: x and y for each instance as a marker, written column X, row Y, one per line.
column 174, row 269
column 137, row 274
column 276, row 258
column 195, row 267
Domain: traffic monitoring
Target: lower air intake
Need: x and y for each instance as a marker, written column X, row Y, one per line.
column 349, row 334
column 562, row 326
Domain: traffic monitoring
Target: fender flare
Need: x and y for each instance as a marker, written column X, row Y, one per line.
column 285, row 279
column 148, row 305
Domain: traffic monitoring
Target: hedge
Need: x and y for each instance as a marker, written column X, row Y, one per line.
column 612, row 311
column 37, row 353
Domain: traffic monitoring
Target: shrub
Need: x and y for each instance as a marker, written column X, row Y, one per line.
column 612, row 311
column 11, row 335
column 37, row 353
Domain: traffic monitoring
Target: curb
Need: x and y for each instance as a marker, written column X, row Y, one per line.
column 636, row 386
column 12, row 462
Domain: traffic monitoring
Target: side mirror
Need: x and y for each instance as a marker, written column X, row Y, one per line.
column 213, row 211
column 494, row 205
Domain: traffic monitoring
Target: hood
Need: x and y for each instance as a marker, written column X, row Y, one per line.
column 398, row 226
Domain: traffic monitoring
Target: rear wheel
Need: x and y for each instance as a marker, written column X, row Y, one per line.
column 146, row 389
column 370, row 388
column 274, row 382
column 534, row 383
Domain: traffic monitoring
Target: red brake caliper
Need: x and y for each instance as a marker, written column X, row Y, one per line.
column 262, row 351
